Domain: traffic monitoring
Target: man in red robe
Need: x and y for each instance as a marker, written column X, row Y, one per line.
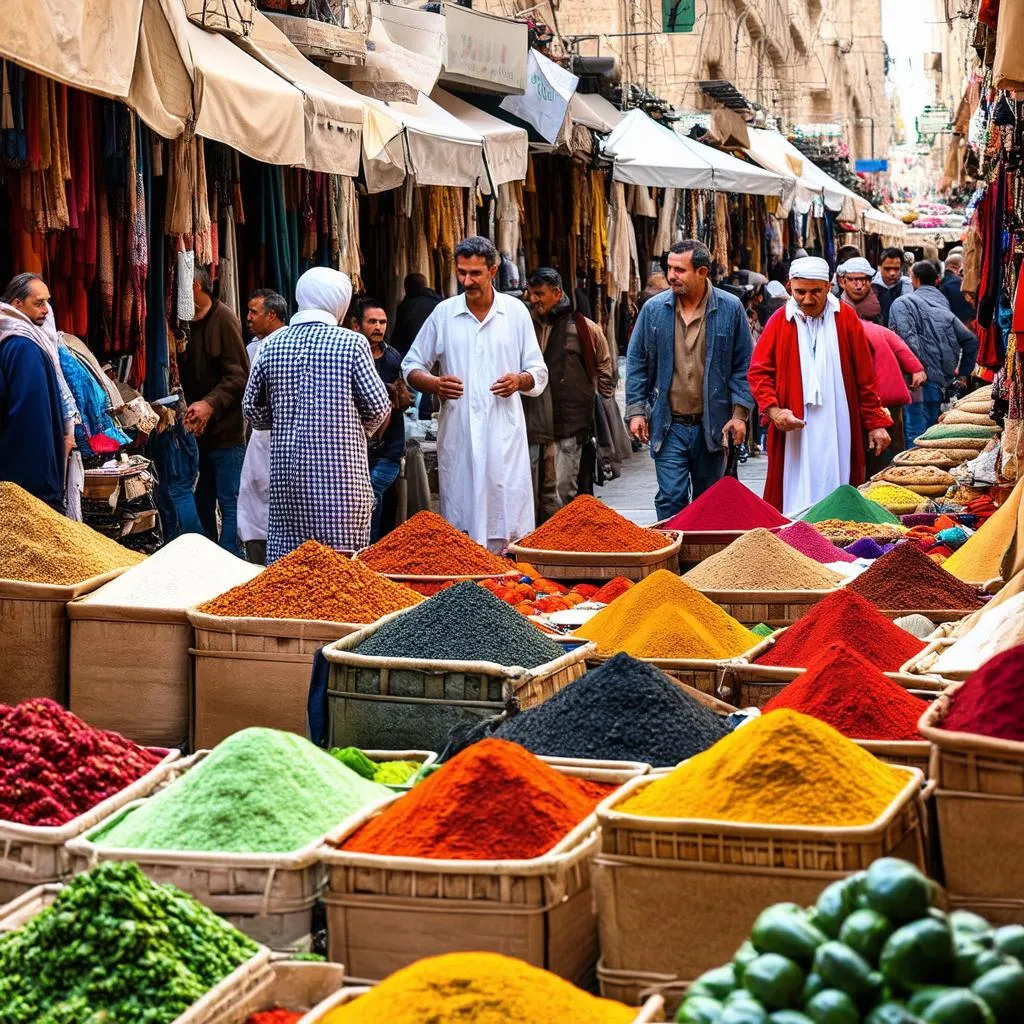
column 813, row 379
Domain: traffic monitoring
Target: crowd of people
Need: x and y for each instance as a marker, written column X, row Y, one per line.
column 301, row 434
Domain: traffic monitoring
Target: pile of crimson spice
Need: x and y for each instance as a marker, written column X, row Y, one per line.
column 850, row 694
column 54, row 767
column 806, row 539
column 991, row 700
column 492, row 801
column 726, row 505
column 843, row 617
column 906, row 578
column 625, row 710
column 586, row 524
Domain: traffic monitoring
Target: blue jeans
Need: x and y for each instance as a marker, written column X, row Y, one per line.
column 919, row 416
column 684, row 464
column 177, row 458
column 383, row 473
column 220, row 472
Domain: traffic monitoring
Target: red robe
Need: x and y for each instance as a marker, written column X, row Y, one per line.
column 774, row 377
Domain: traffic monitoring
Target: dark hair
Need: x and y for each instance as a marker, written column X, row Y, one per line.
column 700, row 254
column 847, row 252
column 414, row 281
column 780, row 272
column 202, row 277
column 18, row 286
column 891, row 253
column 925, row 272
column 272, row 303
column 364, row 304
column 477, row 245
column 545, row 275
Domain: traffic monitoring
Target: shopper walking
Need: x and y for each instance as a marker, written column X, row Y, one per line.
column 686, row 378
column 213, row 369
column 561, row 420
column 946, row 348
column 419, row 302
column 267, row 313
column 484, row 346
column 890, row 282
column 315, row 388
column 855, row 276
column 952, row 287
column 814, row 380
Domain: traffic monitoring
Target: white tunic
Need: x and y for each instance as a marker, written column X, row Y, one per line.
column 254, row 486
column 482, row 454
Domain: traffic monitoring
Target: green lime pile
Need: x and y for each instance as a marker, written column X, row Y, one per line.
column 873, row 950
column 847, row 504
column 386, row 773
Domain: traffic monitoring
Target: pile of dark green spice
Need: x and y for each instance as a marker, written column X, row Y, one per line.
column 115, row 948
column 463, row 623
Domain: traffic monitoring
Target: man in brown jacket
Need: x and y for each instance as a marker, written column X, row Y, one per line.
column 561, row 420
column 214, row 369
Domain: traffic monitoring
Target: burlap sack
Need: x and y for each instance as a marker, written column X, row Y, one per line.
column 974, row 419
column 929, row 457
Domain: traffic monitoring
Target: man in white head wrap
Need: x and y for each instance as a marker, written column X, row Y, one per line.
column 313, row 385
column 813, row 379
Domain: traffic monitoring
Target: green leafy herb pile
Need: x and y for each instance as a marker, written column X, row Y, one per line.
column 873, row 950
column 115, row 948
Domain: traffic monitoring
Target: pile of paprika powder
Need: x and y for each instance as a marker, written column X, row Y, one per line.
column 586, row 524
column 492, row 801
column 54, row 767
column 991, row 701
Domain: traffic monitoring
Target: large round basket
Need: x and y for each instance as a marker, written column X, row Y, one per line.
column 602, row 565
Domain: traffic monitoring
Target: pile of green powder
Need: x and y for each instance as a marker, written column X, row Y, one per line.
column 849, row 505
column 387, row 773
column 762, row 629
column 260, row 791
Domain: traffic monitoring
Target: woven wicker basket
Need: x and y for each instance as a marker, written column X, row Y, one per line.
column 602, row 565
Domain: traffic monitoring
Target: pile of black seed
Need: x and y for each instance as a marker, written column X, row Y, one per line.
column 463, row 623
column 625, row 710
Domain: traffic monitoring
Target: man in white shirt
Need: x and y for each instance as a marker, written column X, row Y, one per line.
column 487, row 351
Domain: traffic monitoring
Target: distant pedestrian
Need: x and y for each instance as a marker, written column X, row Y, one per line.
column 560, row 422
column 890, row 282
column 952, row 287
column 419, row 302
column 484, row 347
column 314, row 386
column 267, row 313
column 856, row 290
column 213, row 370
column 686, row 378
column 655, row 285
column 946, row 347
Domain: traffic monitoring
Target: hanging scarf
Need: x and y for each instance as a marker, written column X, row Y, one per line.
column 14, row 323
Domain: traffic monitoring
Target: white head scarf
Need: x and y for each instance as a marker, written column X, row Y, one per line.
column 810, row 268
column 776, row 289
column 857, row 265
column 322, row 296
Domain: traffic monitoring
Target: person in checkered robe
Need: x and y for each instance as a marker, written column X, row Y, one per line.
column 315, row 388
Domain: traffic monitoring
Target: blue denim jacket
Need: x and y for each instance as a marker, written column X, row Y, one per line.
column 650, row 363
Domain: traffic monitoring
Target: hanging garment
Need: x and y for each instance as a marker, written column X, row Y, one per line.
column 254, row 487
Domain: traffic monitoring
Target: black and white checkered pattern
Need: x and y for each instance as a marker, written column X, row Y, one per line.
column 314, row 386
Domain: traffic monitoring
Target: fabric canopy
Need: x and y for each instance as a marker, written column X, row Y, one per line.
column 420, row 139
column 184, row 74
column 877, row 222
column 647, row 153
column 506, row 147
column 333, row 112
column 593, row 111
column 89, row 44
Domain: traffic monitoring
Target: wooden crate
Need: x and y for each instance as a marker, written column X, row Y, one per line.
column 292, row 984
column 775, row 608
column 602, row 565
column 700, row 544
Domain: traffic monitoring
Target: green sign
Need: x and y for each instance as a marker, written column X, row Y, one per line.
column 678, row 15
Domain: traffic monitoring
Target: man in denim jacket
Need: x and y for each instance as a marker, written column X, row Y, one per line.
column 686, row 378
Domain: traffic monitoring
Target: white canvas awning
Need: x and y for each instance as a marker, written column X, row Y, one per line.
column 506, row 147
column 545, row 103
column 647, row 153
column 333, row 112
column 184, row 74
column 890, row 228
column 593, row 111
column 420, row 139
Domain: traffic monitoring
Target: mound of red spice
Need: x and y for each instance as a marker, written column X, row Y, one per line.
column 991, row 701
column 847, row 692
column 54, row 767
column 492, row 801
column 844, row 617
column 806, row 539
column 428, row 545
column 586, row 524
column 906, row 578
column 727, row 505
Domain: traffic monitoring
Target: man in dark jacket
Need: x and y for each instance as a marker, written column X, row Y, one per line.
column 945, row 347
column 413, row 310
column 214, row 369
column 686, row 378
column 560, row 421
column 890, row 282
column 952, row 288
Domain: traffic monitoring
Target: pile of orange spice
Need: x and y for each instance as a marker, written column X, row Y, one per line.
column 314, row 582
column 428, row 545
column 586, row 524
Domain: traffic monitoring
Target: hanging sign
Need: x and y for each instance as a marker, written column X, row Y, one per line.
column 678, row 15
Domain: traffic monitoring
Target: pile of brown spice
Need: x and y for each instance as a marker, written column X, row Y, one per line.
column 758, row 560
column 428, row 545
column 841, row 532
column 586, row 524
column 39, row 545
column 906, row 578
column 314, row 582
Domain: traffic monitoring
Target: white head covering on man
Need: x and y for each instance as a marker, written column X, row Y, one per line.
column 322, row 296
column 856, row 265
column 810, row 268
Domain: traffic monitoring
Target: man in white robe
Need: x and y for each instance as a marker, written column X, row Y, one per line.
column 487, row 351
